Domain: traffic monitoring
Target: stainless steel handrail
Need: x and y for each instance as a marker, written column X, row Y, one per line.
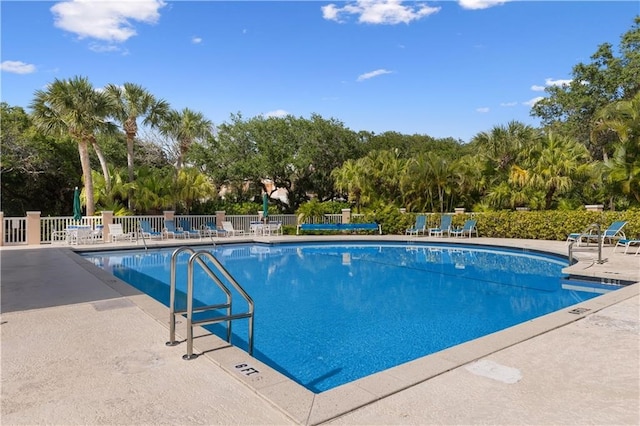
column 196, row 256
column 140, row 232
column 588, row 232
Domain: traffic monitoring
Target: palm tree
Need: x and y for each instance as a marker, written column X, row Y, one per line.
column 132, row 102
column 193, row 185
column 74, row 108
column 623, row 119
column 348, row 178
column 184, row 128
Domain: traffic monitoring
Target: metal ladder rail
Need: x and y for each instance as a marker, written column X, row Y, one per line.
column 229, row 317
column 141, row 233
column 600, row 242
column 173, row 313
column 195, row 257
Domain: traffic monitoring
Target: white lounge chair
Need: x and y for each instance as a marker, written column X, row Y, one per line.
column 228, row 228
column 117, row 234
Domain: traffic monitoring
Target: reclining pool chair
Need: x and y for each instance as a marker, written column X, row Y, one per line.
column 147, row 231
column 420, row 227
column 170, row 230
column 186, row 227
column 445, row 226
column 468, row 228
column 611, row 234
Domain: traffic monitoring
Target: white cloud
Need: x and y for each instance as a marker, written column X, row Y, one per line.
column 508, row 104
column 368, row 75
column 102, row 48
column 196, row 40
column 532, row 102
column 379, row 11
column 17, row 67
column 552, row 82
column 537, row 88
column 483, row 110
column 277, row 113
column 480, row 4
column 105, row 20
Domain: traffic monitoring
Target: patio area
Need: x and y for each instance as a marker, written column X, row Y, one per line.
column 80, row 346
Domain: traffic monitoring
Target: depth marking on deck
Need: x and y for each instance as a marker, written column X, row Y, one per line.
column 246, row 369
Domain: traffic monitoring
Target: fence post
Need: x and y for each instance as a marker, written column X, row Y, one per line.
column 220, row 217
column 33, row 228
column 346, row 215
column 1, row 228
column 169, row 215
column 107, row 219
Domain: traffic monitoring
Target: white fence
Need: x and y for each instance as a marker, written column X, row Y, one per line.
column 15, row 229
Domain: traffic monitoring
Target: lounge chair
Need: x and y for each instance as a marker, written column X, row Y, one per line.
column 209, row 230
column 227, row 226
column 116, row 233
column 96, row 234
column 468, row 228
column 611, row 234
column 185, row 225
column 420, row 226
column 170, row 230
column 272, row 228
column 256, row 228
column 627, row 244
column 147, row 231
column 445, row 226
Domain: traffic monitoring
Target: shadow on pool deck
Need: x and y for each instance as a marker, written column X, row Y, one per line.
column 81, row 347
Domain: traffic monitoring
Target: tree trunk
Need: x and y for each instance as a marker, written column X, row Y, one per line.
column 103, row 165
column 83, row 149
column 130, row 168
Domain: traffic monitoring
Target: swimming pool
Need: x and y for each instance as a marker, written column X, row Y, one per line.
column 328, row 314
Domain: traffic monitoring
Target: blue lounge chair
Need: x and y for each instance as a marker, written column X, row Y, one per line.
column 209, row 230
column 627, row 243
column 147, row 231
column 611, row 234
column 419, row 227
column 170, row 230
column 468, row 228
column 445, row 226
column 185, row 225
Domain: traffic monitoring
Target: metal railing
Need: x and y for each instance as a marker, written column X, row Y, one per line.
column 588, row 235
column 197, row 257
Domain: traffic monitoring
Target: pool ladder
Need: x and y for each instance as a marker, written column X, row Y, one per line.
column 593, row 227
column 198, row 257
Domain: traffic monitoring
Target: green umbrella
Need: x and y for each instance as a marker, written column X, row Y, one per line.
column 265, row 205
column 77, row 209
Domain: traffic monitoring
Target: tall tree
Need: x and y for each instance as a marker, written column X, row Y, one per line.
column 184, row 128
column 74, row 108
column 622, row 119
column 569, row 109
column 131, row 103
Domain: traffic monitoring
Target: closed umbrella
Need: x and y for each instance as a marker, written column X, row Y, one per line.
column 77, row 209
column 265, row 205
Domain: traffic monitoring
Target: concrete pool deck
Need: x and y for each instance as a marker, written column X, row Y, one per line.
column 80, row 346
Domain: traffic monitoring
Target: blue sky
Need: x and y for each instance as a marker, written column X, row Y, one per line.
column 443, row 69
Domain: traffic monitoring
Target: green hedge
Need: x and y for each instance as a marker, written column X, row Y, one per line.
column 548, row 225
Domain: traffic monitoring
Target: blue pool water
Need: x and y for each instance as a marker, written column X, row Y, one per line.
column 328, row 314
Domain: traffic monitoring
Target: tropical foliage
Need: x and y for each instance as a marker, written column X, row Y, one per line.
column 132, row 153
